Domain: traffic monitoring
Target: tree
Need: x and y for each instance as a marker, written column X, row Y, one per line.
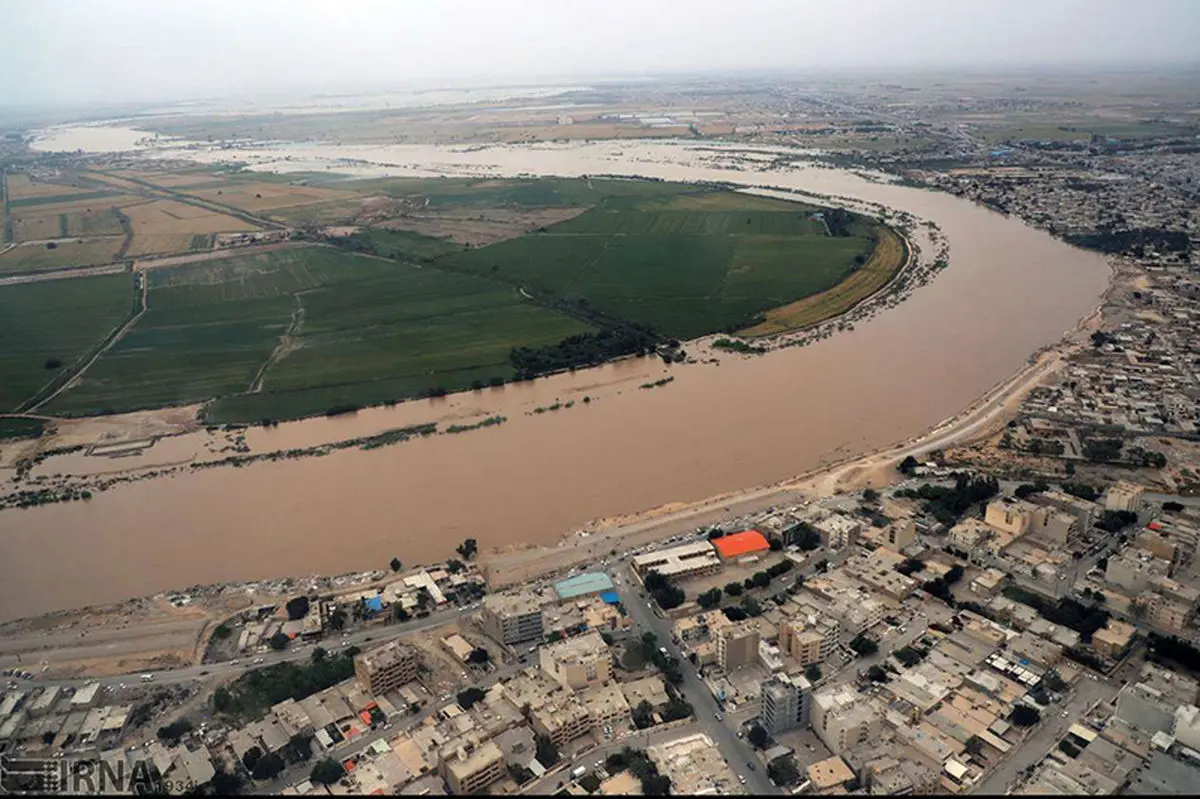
column 454, row 566
column 974, row 745
column 222, row 700
column 319, row 654
column 279, row 641
column 809, row 539
column 1025, row 716
column 547, row 752
column 1170, row 506
column 467, row 549
column 760, row 579
column 908, row 465
column 710, row 598
column 172, row 732
column 396, row 566
column 813, row 672
column 268, row 767
column 251, row 757
column 643, row 715
column 589, row 782
column 478, row 656
column 782, row 771
column 469, row 696
column 752, row 606
column 863, row 645
column 877, row 674
column 337, row 619
column 776, row 545
column 758, row 737
column 222, row 631
column 297, row 608
column 870, row 495
column 401, row 614
column 734, row 589
column 226, row 783
column 327, row 771
column 953, row 574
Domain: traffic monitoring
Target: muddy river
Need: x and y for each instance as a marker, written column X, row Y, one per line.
column 1009, row 291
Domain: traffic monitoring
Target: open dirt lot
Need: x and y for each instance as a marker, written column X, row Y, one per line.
column 267, row 196
column 479, row 227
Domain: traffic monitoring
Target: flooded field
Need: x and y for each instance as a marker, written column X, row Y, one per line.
column 1009, row 291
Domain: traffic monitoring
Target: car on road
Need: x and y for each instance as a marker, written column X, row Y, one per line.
column 258, row 660
column 741, row 779
column 234, row 662
column 718, row 717
column 750, row 765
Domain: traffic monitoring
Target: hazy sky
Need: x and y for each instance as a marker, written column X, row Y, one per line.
column 58, row 51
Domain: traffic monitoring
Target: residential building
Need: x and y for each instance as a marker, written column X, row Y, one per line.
column 1085, row 512
column 737, row 645
column 606, row 705
column 830, row 774
column 900, row 534
column 786, row 702
column 842, row 718
column 838, row 531
column 513, row 618
column 680, row 563
column 988, row 582
column 648, row 689
column 1133, row 570
column 1158, row 611
column 386, row 668
column 469, row 766
column 1012, row 516
column 808, row 638
column 969, row 534
column 579, row 662
column 1113, row 640
column 1053, row 526
column 562, row 720
column 1125, row 496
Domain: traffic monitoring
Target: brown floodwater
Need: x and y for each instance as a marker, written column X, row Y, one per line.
column 1009, row 291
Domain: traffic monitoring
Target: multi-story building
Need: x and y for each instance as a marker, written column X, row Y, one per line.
column 808, row 639
column 786, row 701
column 1124, row 495
column 1159, row 612
column 969, row 534
column 562, row 720
column 680, row 563
column 837, row 531
column 737, row 645
column 386, row 668
column 1135, row 570
column 1053, row 526
column 513, row 618
column 469, row 766
column 900, row 534
column 1113, row 640
column 1013, row 516
column 579, row 662
column 842, row 718
column 1085, row 512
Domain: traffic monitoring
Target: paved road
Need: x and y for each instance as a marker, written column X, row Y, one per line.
column 1053, row 727
column 736, row 751
column 360, row 638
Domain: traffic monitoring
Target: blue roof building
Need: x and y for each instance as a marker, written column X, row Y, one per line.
column 583, row 585
column 374, row 604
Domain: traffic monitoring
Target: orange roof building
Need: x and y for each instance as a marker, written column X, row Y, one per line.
column 738, row 544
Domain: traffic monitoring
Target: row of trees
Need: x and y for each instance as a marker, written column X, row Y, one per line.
column 583, row 349
column 948, row 504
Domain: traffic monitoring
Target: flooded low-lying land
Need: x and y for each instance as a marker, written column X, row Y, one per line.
column 1009, row 291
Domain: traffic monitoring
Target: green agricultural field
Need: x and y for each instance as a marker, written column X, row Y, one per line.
column 368, row 331
column 684, row 264
column 286, row 333
column 56, row 321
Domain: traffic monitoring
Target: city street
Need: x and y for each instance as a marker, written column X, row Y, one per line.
column 737, row 751
column 1053, row 726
